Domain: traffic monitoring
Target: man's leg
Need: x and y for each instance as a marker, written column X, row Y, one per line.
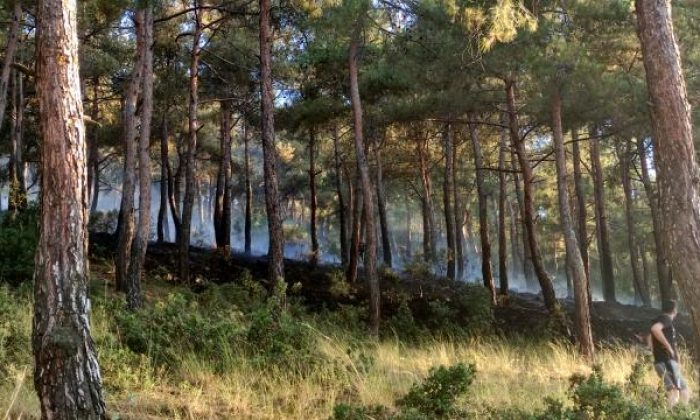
column 672, row 397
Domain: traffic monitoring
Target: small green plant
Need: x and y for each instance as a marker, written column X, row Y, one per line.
column 339, row 286
column 18, row 239
column 437, row 395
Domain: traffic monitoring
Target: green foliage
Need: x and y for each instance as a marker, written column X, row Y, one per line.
column 178, row 325
column 467, row 312
column 403, row 324
column 103, row 222
column 14, row 334
column 339, row 286
column 19, row 235
column 437, row 395
column 351, row 412
column 434, row 398
column 277, row 340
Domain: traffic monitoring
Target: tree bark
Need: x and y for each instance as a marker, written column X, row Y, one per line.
column 248, row 237
column 17, row 200
column 574, row 262
column 342, row 220
column 429, row 241
column 224, row 184
column 625, row 157
column 274, row 216
column 10, row 49
column 674, row 149
column 581, row 213
column 67, row 375
column 164, row 162
column 663, row 267
column 502, row 241
column 550, row 298
column 313, row 196
column 459, row 219
column 93, row 148
column 526, row 259
column 381, row 204
column 356, row 229
column 447, row 197
column 370, row 259
column 602, row 235
column 126, row 229
column 190, row 154
column 143, row 233
column 482, row 197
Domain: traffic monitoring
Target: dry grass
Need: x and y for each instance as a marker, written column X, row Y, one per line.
column 510, row 373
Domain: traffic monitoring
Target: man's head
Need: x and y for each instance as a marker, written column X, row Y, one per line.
column 670, row 307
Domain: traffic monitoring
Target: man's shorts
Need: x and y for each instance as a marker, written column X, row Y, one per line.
column 670, row 371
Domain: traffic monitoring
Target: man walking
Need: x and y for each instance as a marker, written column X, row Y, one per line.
column 662, row 341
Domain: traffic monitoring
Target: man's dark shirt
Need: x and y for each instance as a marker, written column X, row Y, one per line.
column 661, row 355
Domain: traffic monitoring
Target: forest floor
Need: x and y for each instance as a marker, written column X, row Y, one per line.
column 212, row 353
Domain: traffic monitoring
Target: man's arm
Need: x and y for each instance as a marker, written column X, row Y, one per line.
column 658, row 333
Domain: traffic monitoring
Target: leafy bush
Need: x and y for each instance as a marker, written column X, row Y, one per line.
column 18, row 239
column 436, row 396
column 402, row 324
column 177, row 325
column 339, row 286
column 467, row 312
column 278, row 340
column 103, row 222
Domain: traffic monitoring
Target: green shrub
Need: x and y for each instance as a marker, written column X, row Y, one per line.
column 434, row 398
column 172, row 328
column 466, row 312
column 403, row 325
column 280, row 341
column 103, row 222
column 15, row 328
column 339, row 286
column 18, row 239
column 350, row 412
column 437, row 395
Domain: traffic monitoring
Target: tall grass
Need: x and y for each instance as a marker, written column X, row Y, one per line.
column 514, row 372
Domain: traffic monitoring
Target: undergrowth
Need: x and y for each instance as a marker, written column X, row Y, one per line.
column 227, row 353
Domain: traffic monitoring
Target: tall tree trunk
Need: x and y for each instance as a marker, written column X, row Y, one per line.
column 17, row 200
column 248, row 237
column 143, row 233
column 93, row 148
column 602, row 235
column 663, row 266
column 10, row 49
column 381, row 204
column 355, row 230
column 502, row 242
column 459, row 219
column 66, row 375
column 527, row 269
column 429, row 241
column 409, row 239
column 550, row 298
column 126, row 229
column 581, row 217
column 272, row 201
column 163, row 210
column 313, row 197
column 673, row 148
column 190, row 154
column 624, row 156
column 448, row 195
column 222, row 201
column 370, row 259
column 228, row 177
column 482, row 197
column 342, row 220
column 574, row 262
